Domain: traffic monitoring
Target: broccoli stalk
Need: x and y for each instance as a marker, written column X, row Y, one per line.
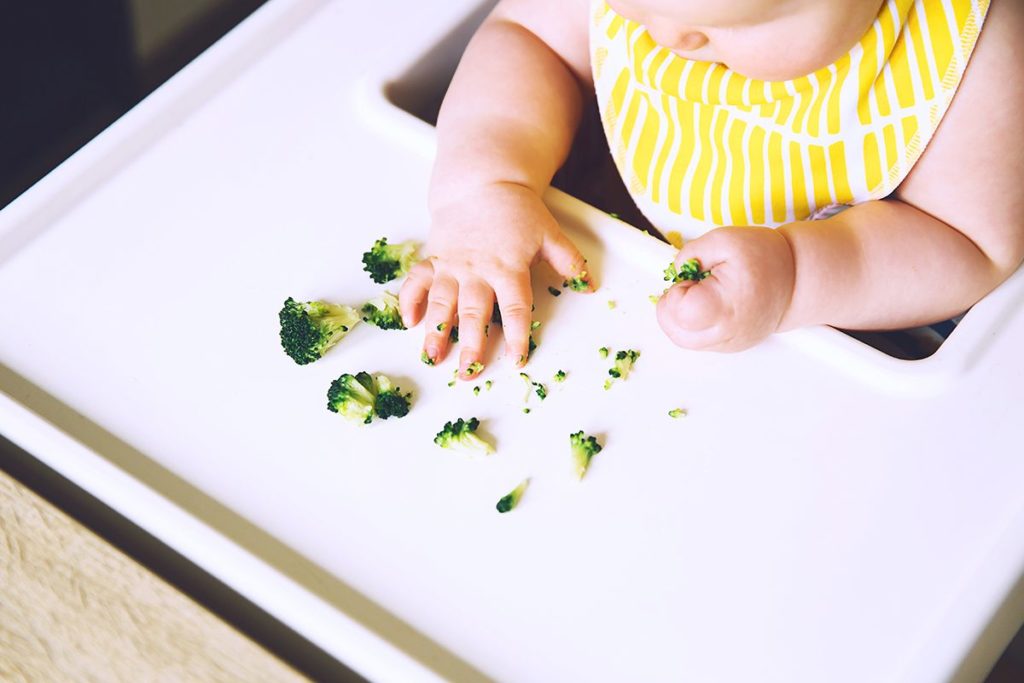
column 309, row 329
column 509, row 501
column 383, row 312
column 385, row 262
column 583, row 449
column 461, row 435
column 361, row 396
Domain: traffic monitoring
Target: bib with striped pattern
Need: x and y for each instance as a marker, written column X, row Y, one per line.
column 700, row 146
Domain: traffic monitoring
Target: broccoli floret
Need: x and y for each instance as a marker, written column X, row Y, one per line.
column 579, row 283
column 475, row 368
column 603, row 352
column 676, row 413
column 383, row 312
column 688, row 270
column 624, row 361
column 461, row 435
column 441, row 327
column 532, row 347
column 361, row 396
column 511, row 500
column 476, row 390
column 554, row 292
column 488, row 384
column 427, row 360
column 390, row 401
column 385, row 262
column 309, row 329
column 352, row 396
column 583, row 449
column 560, row 376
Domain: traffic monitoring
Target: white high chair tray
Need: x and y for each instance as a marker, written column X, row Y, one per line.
column 824, row 512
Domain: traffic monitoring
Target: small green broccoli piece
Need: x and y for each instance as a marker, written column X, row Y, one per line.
column 441, row 327
column 554, row 292
column 352, row 397
column 461, row 435
column 560, row 376
column 385, row 262
column 390, row 401
column 611, row 305
column 532, row 347
column 542, row 391
column 583, row 449
column 475, row 368
column 603, row 352
column 535, row 325
column 383, row 312
column 579, row 283
column 526, row 411
column 453, row 335
column 309, row 329
column 688, row 270
column 427, row 360
column 361, row 396
column 488, row 384
column 476, row 390
column 512, row 499
column 624, row 361
column 677, row 413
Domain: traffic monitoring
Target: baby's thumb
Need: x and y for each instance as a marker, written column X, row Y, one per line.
column 562, row 255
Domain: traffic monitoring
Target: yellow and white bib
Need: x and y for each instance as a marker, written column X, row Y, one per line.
column 700, row 146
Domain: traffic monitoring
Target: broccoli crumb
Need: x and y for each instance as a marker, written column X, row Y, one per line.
column 511, row 500
column 688, row 270
column 476, row 390
column 607, row 384
column 441, row 327
column 526, row 411
column 488, row 384
column 475, row 368
column 677, row 413
column 554, row 292
column 532, row 347
column 455, row 375
column 584, row 448
column 654, row 298
column 611, row 305
column 624, row 361
column 453, row 335
column 579, row 283
column 603, row 352
column 535, row 324
column 560, row 376
column 427, row 360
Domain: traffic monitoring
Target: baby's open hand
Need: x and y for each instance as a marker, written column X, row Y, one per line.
column 480, row 251
column 744, row 298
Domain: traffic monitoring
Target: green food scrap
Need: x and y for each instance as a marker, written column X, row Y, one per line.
column 475, row 368
column 427, row 360
column 453, row 335
column 511, row 500
column 560, row 376
column 584, row 448
column 535, row 324
column 476, row 390
column 603, row 352
column 579, row 283
column 688, row 270
column 624, row 361
column 361, row 396
column 677, row 413
column 385, row 262
column 554, row 292
column 611, row 305
column 309, row 329
column 383, row 312
column 461, row 435
column 441, row 327
column 488, row 384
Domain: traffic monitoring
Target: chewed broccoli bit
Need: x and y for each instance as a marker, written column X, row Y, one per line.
column 361, row 396
column 309, row 329
column 579, row 283
column 624, row 361
column 560, row 376
column 584, row 448
column 385, row 262
column 476, row 390
column 488, row 384
column 676, row 413
column 453, row 335
column 383, row 312
column 427, row 360
column 511, row 499
column 554, row 292
column 461, row 435
column 603, row 352
column 474, row 368
column 687, row 270
column 441, row 327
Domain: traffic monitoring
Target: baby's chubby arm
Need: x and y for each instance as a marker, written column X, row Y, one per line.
column 505, row 127
column 950, row 234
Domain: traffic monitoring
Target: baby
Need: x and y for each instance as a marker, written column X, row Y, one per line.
column 734, row 122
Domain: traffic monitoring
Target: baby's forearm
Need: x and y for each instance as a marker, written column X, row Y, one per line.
column 883, row 265
column 509, row 116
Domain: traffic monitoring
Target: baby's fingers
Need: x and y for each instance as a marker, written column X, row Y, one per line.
column 567, row 260
column 692, row 315
column 515, row 301
column 440, row 317
column 476, row 301
column 413, row 293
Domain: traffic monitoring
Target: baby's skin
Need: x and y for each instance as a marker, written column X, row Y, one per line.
column 950, row 233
